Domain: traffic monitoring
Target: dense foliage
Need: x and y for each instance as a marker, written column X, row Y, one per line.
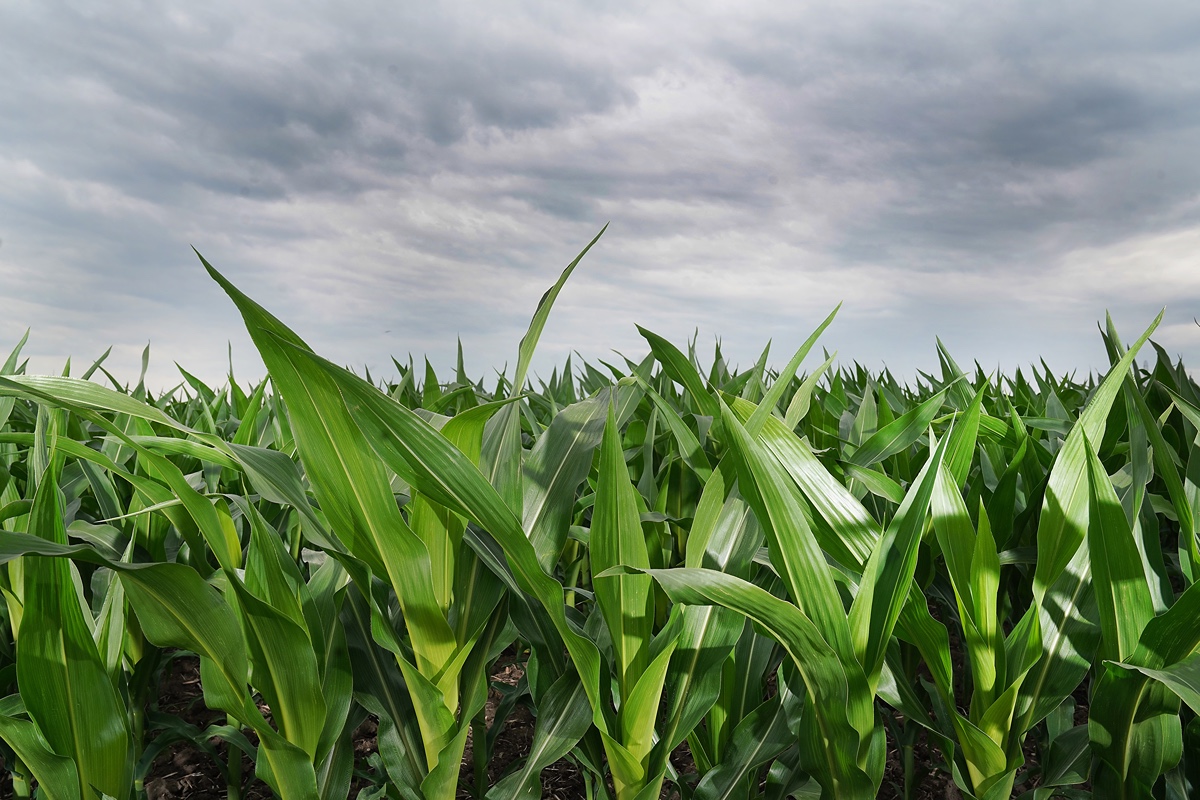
column 794, row 574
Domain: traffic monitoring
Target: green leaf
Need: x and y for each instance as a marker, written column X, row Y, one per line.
column 63, row 681
column 617, row 540
column 563, row 718
column 849, row 532
column 284, row 670
column 899, row 434
column 681, row 370
column 802, row 399
column 889, row 572
column 560, row 462
column 1182, row 678
column 538, row 323
column 349, row 479
column 877, row 483
column 961, row 450
column 1063, row 523
column 818, row 664
column 57, row 777
column 1122, row 593
column 757, row 739
column 1062, row 588
column 690, row 449
column 794, row 549
column 784, row 379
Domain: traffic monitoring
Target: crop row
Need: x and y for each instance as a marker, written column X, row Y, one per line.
column 796, row 576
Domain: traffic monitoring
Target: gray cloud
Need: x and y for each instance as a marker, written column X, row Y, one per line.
column 388, row 177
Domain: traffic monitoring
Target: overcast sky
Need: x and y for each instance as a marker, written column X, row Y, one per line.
column 386, row 177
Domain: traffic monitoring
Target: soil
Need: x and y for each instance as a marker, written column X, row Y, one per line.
column 184, row 770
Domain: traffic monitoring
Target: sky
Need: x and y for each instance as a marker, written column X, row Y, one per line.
column 389, row 178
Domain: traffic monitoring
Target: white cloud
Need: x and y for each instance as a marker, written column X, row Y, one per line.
column 386, row 178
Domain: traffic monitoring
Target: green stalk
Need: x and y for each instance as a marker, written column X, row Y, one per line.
column 233, row 766
column 909, row 761
column 718, row 717
column 21, row 780
column 479, row 755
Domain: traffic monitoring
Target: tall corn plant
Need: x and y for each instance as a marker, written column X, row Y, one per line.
column 349, row 437
column 252, row 633
column 1149, row 661
column 1020, row 678
column 447, row 603
column 617, row 526
column 838, row 652
column 346, row 433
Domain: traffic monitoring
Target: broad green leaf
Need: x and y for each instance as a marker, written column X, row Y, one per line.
column 681, row 370
column 1063, row 523
column 877, row 483
column 563, row 718
column 639, row 709
column 898, row 435
column 758, row 738
column 802, row 399
column 1182, row 678
column 794, row 549
column 690, row 449
column 1127, row 713
column 284, row 670
column 57, row 777
column 559, row 462
column 617, row 540
column 1061, row 585
column 349, row 479
column 889, row 572
column 849, row 533
column 379, row 687
column 63, row 682
column 1122, row 595
column 818, row 664
column 961, row 450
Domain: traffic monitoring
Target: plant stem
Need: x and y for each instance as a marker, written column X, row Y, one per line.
column 233, row 768
column 479, row 754
column 21, row 780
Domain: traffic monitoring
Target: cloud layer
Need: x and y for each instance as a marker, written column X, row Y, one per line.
column 388, row 177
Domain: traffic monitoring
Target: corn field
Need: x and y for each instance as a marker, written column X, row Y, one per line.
column 803, row 579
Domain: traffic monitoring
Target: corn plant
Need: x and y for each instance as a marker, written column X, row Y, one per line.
column 788, row 575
